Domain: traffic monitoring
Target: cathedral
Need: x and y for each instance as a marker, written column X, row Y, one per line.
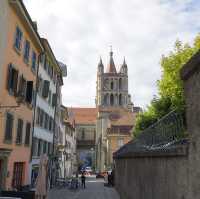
column 115, row 112
column 104, row 129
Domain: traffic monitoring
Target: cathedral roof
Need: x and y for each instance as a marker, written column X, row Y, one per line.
column 84, row 115
column 111, row 65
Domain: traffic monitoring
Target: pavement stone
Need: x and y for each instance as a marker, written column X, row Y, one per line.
column 95, row 189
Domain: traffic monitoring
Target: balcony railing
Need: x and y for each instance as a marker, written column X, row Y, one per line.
column 85, row 143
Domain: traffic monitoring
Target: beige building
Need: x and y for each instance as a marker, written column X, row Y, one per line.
column 21, row 47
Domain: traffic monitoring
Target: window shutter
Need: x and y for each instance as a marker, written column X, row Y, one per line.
column 29, row 91
column 54, row 99
column 9, row 127
column 45, row 91
column 9, row 77
column 15, row 82
column 28, row 131
column 19, row 131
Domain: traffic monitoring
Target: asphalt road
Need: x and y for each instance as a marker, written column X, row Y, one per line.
column 95, row 189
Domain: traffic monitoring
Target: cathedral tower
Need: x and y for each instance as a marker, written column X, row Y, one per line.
column 112, row 86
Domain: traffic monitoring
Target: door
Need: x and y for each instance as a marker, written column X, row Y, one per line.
column 18, row 174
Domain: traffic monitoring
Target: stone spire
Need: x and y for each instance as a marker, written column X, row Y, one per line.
column 123, row 68
column 111, row 65
column 100, row 66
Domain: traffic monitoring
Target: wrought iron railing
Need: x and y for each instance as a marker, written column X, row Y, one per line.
column 168, row 129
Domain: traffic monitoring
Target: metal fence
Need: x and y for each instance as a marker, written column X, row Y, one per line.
column 168, row 129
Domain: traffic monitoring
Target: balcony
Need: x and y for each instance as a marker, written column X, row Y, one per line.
column 85, row 143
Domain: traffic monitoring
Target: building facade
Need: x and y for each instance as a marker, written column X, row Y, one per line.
column 85, row 126
column 48, row 76
column 19, row 63
column 116, row 115
column 67, row 145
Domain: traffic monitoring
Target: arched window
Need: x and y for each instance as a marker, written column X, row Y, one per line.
column 105, row 100
column 120, row 83
column 120, row 99
column 112, row 85
column 111, row 100
column 116, row 99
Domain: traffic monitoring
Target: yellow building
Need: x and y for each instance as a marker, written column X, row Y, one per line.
column 18, row 84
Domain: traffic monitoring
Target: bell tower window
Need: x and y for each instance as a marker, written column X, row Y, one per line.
column 112, row 85
column 120, row 83
column 120, row 99
column 111, row 100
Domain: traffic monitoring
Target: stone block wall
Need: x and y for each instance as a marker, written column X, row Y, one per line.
column 152, row 177
column 164, row 175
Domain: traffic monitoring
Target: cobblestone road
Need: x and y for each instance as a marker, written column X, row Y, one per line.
column 95, row 189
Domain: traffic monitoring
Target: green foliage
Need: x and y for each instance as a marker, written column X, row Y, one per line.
column 170, row 86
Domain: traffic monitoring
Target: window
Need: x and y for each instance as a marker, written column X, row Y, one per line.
column 35, row 146
column 46, row 122
column 29, row 91
column 120, row 99
column 28, row 132
column 120, row 83
column 49, row 148
column 54, row 100
column 9, row 127
column 18, row 39
column 22, row 87
column 26, row 51
column 12, row 80
column 49, row 99
column 41, row 117
column 83, row 134
column 50, row 123
column 19, row 131
column 39, row 147
column 120, row 142
column 45, row 90
column 44, row 147
column 111, row 100
column 112, row 85
column 38, row 116
column 18, row 173
column 34, row 61
column 46, row 64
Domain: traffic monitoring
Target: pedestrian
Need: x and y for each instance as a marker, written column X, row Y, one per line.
column 83, row 180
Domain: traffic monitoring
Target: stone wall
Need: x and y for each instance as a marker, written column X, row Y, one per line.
column 153, row 175
column 172, row 173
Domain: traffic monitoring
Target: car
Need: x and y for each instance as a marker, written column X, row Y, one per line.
column 88, row 170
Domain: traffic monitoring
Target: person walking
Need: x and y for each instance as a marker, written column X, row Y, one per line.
column 83, row 180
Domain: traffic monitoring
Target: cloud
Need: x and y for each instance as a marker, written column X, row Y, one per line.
column 82, row 30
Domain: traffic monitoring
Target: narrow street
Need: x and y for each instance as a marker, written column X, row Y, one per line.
column 95, row 189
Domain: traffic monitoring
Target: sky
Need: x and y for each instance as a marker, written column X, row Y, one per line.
column 80, row 31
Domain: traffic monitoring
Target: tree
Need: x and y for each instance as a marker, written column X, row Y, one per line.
column 170, row 86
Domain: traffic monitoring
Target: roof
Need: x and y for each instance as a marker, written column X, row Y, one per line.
column 122, row 118
column 111, row 66
column 84, row 115
column 20, row 8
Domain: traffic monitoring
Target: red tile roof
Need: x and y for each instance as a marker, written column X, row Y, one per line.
column 84, row 115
